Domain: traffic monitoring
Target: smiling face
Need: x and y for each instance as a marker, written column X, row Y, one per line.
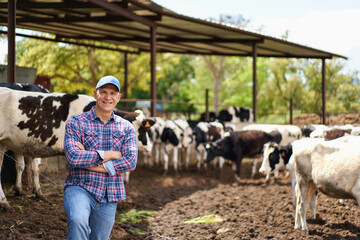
column 106, row 97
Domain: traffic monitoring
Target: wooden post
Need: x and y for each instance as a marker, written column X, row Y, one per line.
column 207, row 117
column 153, row 71
column 254, row 55
column 324, row 90
column 126, row 80
column 291, row 111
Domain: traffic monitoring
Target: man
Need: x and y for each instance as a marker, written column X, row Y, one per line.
column 99, row 146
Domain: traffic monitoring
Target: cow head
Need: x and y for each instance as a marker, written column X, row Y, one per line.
column 170, row 135
column 275, row 157
column 142, row 127
column 271, row 157
column 222, row 147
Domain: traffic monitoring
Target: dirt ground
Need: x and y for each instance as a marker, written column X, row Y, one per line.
column 251, row 210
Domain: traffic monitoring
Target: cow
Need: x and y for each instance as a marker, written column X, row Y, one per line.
column 289, row 133
column 240, row 144
column 236, row 114
column 332, row 167
column 20, row 162
column 34, row 126
column 156, row 131
column 177, row 135
column 275, row 157
column 205, row 132
column 336, row 133
column 25, row 87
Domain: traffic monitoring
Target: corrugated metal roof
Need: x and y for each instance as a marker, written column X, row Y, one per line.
column 71, row 20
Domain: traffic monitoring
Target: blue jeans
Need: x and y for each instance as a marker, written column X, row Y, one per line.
column 88, row 218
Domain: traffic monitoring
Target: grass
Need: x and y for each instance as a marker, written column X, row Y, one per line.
column 134, row 216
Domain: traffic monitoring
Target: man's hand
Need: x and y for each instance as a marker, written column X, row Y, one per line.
column 80, row 146
column 111, row 155
column 99, row 168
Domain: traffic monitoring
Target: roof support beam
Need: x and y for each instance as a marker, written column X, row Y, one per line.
column 323, row 78
column 153, row 70
column 68, row 19
column 122, row 12
column 254, row 56
column 11, row 71
column 74, row 43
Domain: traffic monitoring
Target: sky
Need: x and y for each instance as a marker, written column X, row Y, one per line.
column 329, row 25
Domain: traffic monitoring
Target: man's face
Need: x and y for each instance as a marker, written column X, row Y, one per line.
column 107, row 97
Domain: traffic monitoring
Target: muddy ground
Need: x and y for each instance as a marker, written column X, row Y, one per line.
column 251, row 210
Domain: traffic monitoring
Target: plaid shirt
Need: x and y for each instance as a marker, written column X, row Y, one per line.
column 117, row 134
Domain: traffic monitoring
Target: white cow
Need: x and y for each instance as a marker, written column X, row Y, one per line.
column 333, row 167
column 34, row 126
column 156, row 131
column 177, row 135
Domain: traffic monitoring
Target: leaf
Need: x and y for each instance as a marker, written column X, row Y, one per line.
column 212, row 218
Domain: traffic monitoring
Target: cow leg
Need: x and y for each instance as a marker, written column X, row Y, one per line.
column 238, row 170
column 301, row 190
column 205, row 163
column 175, row 160
column 253, row 171
column 356, row 191
column 35, row 163
column 293, row 183
column 157, row 153
column 3, row 201
column 313, row 200
column 126, row 176
column 187, row 157
column 198, row 159
column 166, row 161
column 20, row 166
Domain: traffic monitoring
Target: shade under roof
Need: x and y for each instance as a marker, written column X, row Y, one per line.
column 101, row 20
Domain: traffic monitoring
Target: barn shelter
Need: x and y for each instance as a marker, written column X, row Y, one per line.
column 142, row 25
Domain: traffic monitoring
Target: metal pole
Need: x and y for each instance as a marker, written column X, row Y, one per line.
column 291, row 111
column 324, row 90
column 126, row 80
column 153, row 70
column 11, row 70
column 254, row 55
column 207, row 117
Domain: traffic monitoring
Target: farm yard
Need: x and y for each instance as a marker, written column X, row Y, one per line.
column 251, row 210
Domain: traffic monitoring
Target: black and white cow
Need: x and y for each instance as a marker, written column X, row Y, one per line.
column 177, row 135
column 289, row 133
column 275, row 158
column 19, row 162
column 236, row 114
column 25, row 87
column 34, row 126
column 240, row 144
column 204, row 133
column 156, row 131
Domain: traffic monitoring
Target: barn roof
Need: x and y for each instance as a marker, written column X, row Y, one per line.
column 127, row 23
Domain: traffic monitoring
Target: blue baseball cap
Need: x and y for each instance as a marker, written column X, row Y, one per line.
column 108, row 80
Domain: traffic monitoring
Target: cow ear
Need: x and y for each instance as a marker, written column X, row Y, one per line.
column 283, row 153
column 147, row 125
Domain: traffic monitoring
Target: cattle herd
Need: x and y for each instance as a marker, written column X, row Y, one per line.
column 317, row 157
